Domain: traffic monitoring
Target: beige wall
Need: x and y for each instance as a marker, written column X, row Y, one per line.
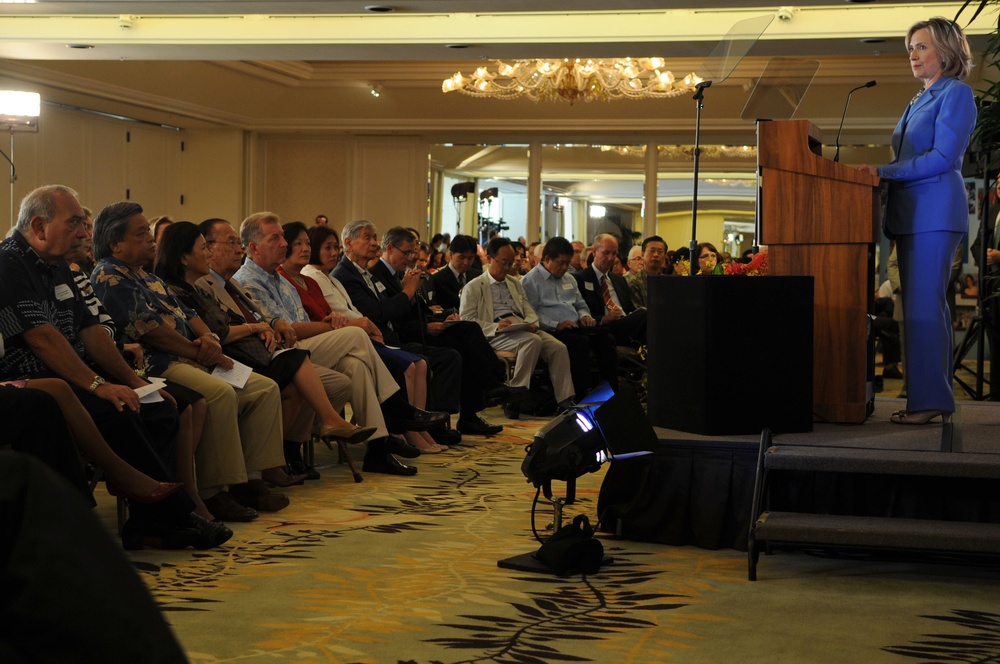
column 108, row 160
column 380, row 179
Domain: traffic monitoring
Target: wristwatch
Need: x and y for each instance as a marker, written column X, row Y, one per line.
column 98, row 381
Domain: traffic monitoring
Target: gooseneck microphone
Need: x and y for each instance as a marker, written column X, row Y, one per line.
column 869, row 84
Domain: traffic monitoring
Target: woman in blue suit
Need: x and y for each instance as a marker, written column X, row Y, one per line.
column 927, row 211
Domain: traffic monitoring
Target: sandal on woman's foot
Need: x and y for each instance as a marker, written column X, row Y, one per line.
column 919, row 416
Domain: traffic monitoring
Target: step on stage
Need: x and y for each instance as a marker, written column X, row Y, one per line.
column 699, row 490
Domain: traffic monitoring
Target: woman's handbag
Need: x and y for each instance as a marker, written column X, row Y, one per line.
column 573, row 549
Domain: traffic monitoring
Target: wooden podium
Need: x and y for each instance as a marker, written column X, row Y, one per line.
column 820, row 219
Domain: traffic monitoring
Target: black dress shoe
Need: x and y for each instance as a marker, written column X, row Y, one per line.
column 477, row 426
column 383, row 462
column 443, row 436
column 210, row 533
column 393, row 445
column 300, row 468
column 422, row 420
column 564, row 405
column 199, row 534
column 505, row 394
column 512, row 411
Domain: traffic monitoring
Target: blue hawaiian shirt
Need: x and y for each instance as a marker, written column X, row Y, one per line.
column 139, row 302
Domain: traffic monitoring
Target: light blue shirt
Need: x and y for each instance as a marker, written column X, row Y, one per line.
column 554, row 300
column 275, row 295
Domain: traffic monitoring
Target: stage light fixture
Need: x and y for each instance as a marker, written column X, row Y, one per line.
column 604, row 427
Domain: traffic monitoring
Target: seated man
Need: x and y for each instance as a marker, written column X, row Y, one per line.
column 448, row 282
column 241, row 441
column 654, row 262
column 563, row 313
column 334, row 346
column 495, row 300
column 607, row 295
column 458, row 354
column 49, row 331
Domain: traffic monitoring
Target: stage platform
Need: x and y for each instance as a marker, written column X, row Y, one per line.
column 698, row 489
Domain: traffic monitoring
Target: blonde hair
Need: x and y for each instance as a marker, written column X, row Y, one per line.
column 950, row 43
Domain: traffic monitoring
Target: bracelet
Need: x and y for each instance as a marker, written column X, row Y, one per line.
column 249, row 329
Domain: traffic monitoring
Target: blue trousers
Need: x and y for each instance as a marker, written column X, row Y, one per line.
column 924, row 274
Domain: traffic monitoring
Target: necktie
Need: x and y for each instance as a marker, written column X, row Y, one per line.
column 238, row 299
column 609, row 304
column 461, row 282
column 368, row 280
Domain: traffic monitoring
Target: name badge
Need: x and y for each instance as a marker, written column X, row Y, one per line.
column 379, row 286
column 63, row 292
column 588, row 285
column 567, row 286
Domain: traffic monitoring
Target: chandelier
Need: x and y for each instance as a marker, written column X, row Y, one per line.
column 686, row 151
column 573, row 80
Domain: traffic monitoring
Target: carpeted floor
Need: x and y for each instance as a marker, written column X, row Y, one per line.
column 404, row 570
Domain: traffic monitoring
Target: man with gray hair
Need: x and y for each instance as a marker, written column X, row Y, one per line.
column 48, row 330
column 333, row 345
column 241, row 441
column 388, row 295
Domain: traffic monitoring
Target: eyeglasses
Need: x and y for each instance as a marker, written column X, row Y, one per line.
column 413, row 253
column 232, row 242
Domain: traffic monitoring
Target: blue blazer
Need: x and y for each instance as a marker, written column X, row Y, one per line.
column 926, row 190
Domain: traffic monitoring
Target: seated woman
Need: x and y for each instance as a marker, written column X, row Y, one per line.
column 182, row 259
column 306, row 269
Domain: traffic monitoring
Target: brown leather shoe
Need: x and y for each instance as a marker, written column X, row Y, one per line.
column 225, row 508
column 259, row 496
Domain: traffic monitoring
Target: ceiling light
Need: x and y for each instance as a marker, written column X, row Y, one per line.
column 456, row 45
column 81, row 47
column 380, row 9
column 19, row 109
column 573, row 80
column 376, row 90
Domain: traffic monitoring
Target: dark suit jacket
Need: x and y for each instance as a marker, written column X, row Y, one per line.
column 397, row 306
column 384, row 311
column 445, row 287
column 592, row 294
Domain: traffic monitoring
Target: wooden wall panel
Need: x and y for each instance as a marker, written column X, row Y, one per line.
column 390, row 181
column 302, row 176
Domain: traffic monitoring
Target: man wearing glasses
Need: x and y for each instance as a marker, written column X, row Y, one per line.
column 496, row 301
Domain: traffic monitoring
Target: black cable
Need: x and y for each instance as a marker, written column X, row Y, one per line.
column 534, row 503
column 13, row 170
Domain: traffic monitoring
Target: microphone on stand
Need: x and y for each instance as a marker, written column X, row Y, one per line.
column 869, row 84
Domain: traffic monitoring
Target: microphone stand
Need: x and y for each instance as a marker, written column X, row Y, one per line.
column 699, row 98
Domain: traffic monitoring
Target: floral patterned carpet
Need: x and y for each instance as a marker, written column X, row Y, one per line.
column 405, row 570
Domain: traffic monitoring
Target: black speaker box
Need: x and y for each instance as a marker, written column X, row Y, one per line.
column 730, row 355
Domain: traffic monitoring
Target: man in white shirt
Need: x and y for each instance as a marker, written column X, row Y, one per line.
column 497, row 302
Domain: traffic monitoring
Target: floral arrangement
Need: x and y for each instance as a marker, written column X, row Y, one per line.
column 755, row 268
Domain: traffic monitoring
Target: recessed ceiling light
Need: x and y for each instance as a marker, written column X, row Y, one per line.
column 379, row 9
column 873, row 40
column 456, row 45
column 861, row 2
column 81, row 47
